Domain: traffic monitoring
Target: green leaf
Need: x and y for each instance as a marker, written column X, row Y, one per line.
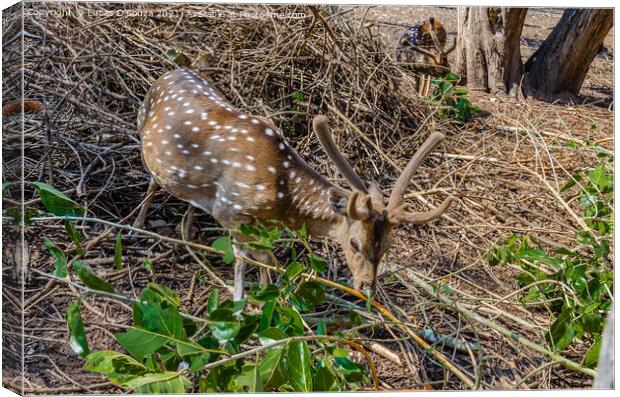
column 108, row 361
column 271, row 369
column 298, row 366
column 271, row 335
column 224, row 244
column 213, row 301
column 165, row 293
column 317, row 263
column 264, row 293
column 159, row 315
column 324, row 380
column 294, row 269
column 60, row 261
column 118, row 252
column 56, row 202
column 289, row 321
column 321, row 328
column 267, row 314
column 591, row 358
column 249, row 380
column 77, row 341
column 159, row 383
column 342, row 353
column 224, row 324
column 90, row 278
column 148, row 264
column 312, row 292
column 75, row 236
column 561, row 333
column 140, row 342
column 5, row 188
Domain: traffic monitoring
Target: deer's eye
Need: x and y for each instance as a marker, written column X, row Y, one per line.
column 355, row 244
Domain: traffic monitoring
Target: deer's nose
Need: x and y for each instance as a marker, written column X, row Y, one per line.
column 367, row 287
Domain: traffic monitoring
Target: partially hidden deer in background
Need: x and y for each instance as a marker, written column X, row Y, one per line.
column 424, row 44
column 240, row 169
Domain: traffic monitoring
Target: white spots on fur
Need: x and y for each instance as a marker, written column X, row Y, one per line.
column 281, row 146
column 285, row 164
column 177, row 136
column 214, row 160
column 198, row 168
column 271, row 169
column 195, row 129
column 242, row 185
column 250, row 167
column 187, row 122
column 164, row 142
column 207, row 152
column 250, row 139
column 280, row 195
column 269, row 131
column 250, row 158
column 214, row 137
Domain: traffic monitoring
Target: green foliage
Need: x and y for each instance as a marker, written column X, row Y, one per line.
column 60, row 260
column 165, row 350
column 56, row 202
column 452, row 101
column 118, row 252
column 77, row 340
column 90, row 278
column 574, row 283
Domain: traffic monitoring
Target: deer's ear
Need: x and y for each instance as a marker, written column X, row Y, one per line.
column 337, row 200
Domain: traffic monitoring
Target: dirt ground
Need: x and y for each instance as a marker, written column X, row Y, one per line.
column 493, row 174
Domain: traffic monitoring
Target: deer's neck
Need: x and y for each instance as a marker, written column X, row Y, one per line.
column 308, row 202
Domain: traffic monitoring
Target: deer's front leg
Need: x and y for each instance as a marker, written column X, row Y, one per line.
column 239, row 276
column 144, row 205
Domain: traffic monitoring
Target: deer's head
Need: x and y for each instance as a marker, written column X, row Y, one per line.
column 367, row 222
column 438, row 55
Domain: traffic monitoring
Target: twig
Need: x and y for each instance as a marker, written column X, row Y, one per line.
column 436, row 292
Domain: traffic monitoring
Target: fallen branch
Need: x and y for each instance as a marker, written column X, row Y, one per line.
column 436, row 292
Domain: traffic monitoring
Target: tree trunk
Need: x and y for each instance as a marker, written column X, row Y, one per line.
column 488, row 49
column 559, row 67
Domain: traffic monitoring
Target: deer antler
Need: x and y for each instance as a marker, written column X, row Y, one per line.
column 396, row 207
column 451, row 48
column 322, row 131
column 422, row 51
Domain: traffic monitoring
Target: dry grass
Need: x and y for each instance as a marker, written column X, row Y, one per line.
column 91, row 71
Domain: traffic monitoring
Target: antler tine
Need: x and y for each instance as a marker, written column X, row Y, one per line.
column 451, row 48
column 418, row 218
column 435, row 39
column 422, row 51
column 322, row 131
column 396, row 198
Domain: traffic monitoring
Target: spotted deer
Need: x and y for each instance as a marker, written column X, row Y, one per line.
column 240, row 169
column 424, row 44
